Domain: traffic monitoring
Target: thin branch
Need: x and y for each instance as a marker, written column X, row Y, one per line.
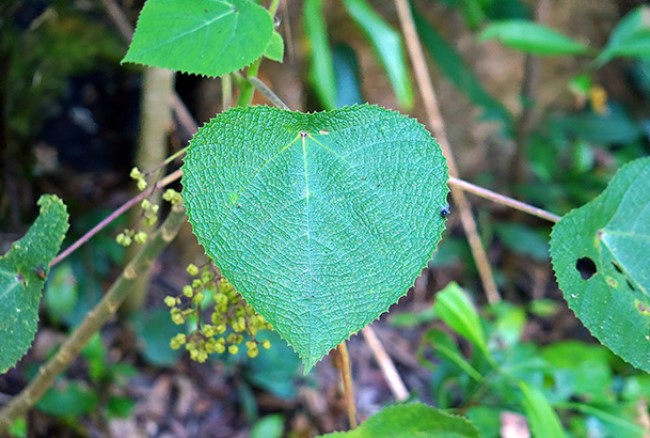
column 386, row 364
column 348, row 388
column 94, row 320
column 437, row 126
column 115, row 214
column 268, row 93
column 503, row 200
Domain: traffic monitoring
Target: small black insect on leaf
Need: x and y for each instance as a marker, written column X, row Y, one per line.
column 444, row 211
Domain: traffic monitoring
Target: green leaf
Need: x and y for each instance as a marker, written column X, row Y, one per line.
column 61, row 293
column 275, row 370
column 205, row 37
column 388, row 46
column 154, row 329
column 321, row 221
column 346, row 71
column 69, row 399
column 275, row 50
column 599, row 255
column 321, row 71
column 454, row 68
column 120, row 406
column 543, row 420
column 616, row 421
column 586, row 367
column 22, row 277
column 630, row 37
column 271, row 426
column 453, row 306
column 522, row 240
column 448, row 349
column 411, row 420
column 532, row 37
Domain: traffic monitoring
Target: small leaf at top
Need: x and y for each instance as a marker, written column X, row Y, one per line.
column 321, row 221
column 275, row 50
column 23, row 271
column 205, row 37
column 411, row 420
column 600, row 257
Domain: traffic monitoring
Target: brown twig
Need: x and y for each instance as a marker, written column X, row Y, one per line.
column 437, row 126
column 348, row 388
column 115, row 214
column 503, row 200
column 386, row 364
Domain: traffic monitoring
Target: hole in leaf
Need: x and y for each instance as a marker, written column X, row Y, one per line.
column 642, row 308
column 617, row 267
column 630, row 285
column 586, row 267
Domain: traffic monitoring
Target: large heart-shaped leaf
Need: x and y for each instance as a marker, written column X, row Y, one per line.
column 321, row 221
column 207, row 37
column 22, row 277
column 600, row 257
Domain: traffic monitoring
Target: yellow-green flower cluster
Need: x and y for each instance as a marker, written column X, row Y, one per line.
column 149, row 211
column 232, row 321
column 139, row 178
column 128, row 236
column 172, row 196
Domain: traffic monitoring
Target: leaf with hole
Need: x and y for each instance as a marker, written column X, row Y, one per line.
column 23, row 271
column 600, row 257
column 205, row 37
column 321, row 221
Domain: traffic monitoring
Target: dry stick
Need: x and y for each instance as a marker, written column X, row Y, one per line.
column 504, row 200
column 95, row 319
column 386, row 365
column 348, row 388
column 438, row 128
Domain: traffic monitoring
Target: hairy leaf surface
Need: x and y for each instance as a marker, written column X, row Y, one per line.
column 22, row 276
column 321, row 221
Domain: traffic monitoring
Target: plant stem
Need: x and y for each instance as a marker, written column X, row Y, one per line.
column 155, row 122
column 348, row 388
column 503, row 200
column 437, row 126
column 115, row 214
column 247, row 89
column 94, row 320
column 268, row 93
column 395, row 382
